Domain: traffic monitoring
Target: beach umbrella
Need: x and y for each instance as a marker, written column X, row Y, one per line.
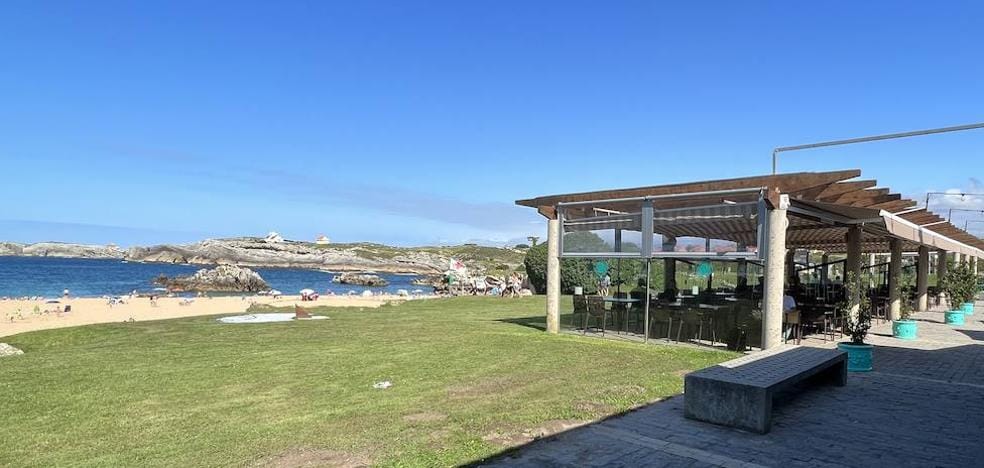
column 307, row 292
column 276, row 292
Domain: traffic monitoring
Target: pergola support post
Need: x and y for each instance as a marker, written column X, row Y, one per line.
column 669, row 264
column 553, row 276
column 774, row 274
column 941, row 259
column 742, row 268
column 894, row 276
column 922, row 279
column 853, row 268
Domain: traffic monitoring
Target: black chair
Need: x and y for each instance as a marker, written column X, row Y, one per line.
column 637, row 309
column 580, row 307
column 659, row 315
column 620, row 311
column 596, row 310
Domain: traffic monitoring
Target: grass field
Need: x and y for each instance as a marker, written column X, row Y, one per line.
column 471, row 376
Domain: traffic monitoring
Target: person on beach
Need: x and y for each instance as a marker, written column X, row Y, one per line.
column 65, row 294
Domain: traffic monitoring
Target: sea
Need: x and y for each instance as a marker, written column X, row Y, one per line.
column 48, row 277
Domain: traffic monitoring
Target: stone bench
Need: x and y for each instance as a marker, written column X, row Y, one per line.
column 739, row 393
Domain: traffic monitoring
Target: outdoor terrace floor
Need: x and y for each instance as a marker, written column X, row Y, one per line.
column 922, row 406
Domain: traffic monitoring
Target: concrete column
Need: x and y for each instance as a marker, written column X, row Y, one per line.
column 894, row 276
column 742, row 268
column 941, row 259
column 922, row 279
column 774, row 275
column 553, row 276
column 853, row 266
column 669, row 264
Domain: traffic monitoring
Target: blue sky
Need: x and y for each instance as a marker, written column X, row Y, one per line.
column 418, row 122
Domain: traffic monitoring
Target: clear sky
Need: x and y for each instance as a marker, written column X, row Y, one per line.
column 418, row 122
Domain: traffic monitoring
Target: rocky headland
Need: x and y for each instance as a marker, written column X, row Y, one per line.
column 258, row 252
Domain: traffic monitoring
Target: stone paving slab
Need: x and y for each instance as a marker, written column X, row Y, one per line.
column 922, row 406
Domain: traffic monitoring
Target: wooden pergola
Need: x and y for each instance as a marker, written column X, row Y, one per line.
column 836, row 212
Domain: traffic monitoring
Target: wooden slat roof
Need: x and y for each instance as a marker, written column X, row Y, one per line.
column 834, row 188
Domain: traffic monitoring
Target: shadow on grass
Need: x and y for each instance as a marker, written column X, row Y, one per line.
column 538, row 322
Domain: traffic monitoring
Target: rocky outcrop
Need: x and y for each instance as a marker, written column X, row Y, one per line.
column 257, row 252
column 360, row 280
column 224, row 278
column 62, row 250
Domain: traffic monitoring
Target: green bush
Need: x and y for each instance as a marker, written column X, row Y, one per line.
column 960, row 284
column 573, row 272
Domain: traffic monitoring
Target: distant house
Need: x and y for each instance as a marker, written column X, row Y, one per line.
column 322, row 240
column 273, row 238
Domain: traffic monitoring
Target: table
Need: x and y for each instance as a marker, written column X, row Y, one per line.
column 620, row 300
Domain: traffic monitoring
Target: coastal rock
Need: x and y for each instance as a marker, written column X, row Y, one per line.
column 7, row 350
column 429, row 280
column 360, row 279
column 225, row 278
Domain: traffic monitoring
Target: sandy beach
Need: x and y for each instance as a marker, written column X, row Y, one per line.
column 87, row 311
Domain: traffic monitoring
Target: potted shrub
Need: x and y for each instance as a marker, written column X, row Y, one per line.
column 959, row 285
column 859, row 353
column 905, row 328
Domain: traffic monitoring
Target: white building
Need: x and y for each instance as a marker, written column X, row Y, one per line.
column 322, row 240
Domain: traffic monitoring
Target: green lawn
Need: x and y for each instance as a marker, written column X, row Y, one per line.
column 468, row 374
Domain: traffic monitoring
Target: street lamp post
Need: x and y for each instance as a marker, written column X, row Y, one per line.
column 889, row 136
column 949, row 215
column 967, row 223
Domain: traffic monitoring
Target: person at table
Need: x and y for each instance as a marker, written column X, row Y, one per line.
column 789, row 311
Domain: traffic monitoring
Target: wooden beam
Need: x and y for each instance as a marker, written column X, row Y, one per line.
column 867, row 202
column 548, row 212
column 851, row 197
column 784, row 182
column 835, row 190
column 893, row 206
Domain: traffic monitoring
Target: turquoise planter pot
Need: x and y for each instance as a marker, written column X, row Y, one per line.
column 967, row 308
column 858, row 356
column 954, row 317
column 905, row 329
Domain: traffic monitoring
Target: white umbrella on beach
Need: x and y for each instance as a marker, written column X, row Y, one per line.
column 307, row 292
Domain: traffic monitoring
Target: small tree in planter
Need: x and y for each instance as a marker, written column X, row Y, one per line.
column 904, row 328
column 859, row 353
column 960, row 285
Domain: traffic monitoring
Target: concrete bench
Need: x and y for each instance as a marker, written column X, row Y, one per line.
column 739, row 393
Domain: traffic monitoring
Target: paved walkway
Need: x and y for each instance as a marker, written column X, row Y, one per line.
column 922, row 406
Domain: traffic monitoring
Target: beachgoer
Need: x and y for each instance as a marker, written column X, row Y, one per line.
column 65, row 294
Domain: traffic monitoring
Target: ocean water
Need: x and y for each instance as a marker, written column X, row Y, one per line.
column 44, row 276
